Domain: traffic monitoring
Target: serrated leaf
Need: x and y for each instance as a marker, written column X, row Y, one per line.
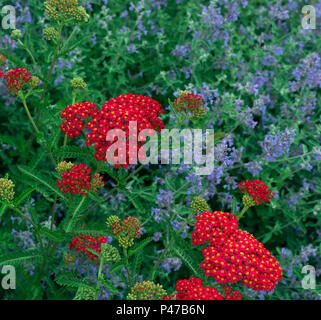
column 133, row 199
column 109, row 286
column 56, row 236
column 117, row 266
column 64, row 279
column 139, row 246
column 24, row 195
column 73, row 213
column 41, row 179
column 74, row 152
column 16, row 259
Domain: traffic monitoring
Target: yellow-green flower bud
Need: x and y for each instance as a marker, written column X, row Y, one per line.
column 109, row 253
column 69, row 259
column 16, row 34
column 126, row 242
column 6, row 190
column 111, row 220
column 86, row 293
column 248, row 201
column 64, row 166
column 34, row 82
column 146, row 290
column 50, row 33
column 81, row 14
column 199, row 205
column 78, row 84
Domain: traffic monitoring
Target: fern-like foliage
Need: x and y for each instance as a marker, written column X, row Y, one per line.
column 43, row 180
column 139, row 246
column 19, row 258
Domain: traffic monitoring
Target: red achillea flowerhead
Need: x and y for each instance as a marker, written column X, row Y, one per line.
column 116, row 114
column 193, row 289
column 215, row 227
column 126, row 231
column 16, row 78
column 77, row 180
column 84, row 242
column 258, row 190
column 190, row 105
column 234, row 255
column 73, row 125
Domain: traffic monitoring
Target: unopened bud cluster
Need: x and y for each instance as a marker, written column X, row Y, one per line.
column 87, row 293
column 199, row 205
column 63, row 10
column 64, row 166
column 34, row 82
column 6, row 190
column 69, row 259
column 78, row 84
column 16, row 34
column 248, row 201
column 111, row 220
column 109, row 253
column 50, row 33
column 126, row 230
column 146, row 290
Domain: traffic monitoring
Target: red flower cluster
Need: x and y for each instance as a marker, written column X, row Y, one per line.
column 193, row 289
column 233, row 254
column 77, row 180
column 83, row 243
column 190, row 104
column 257, row 189
column 2, row 60
column 215, row 227
column 116, row 114
column 126, row 231
column 73, row 125
column 16, row 78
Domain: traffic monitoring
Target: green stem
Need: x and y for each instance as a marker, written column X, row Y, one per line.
column 32, row 57
column 99, row 272
column 36, row 128
column 127, row 267
column 242, row 212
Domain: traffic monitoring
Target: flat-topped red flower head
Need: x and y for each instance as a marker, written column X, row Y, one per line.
column 192, row 289
column 117, row 113
column 84, row 242
column 190, row 105
column 77, row 180
column 16, row 78
column 233, row 254
column 73, row 115
column 258, row 190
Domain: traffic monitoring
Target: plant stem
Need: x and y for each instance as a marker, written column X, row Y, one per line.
column 31, row 56
column 245, row 208
column 36, row 129
column 127, row 267
column 99, row 272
